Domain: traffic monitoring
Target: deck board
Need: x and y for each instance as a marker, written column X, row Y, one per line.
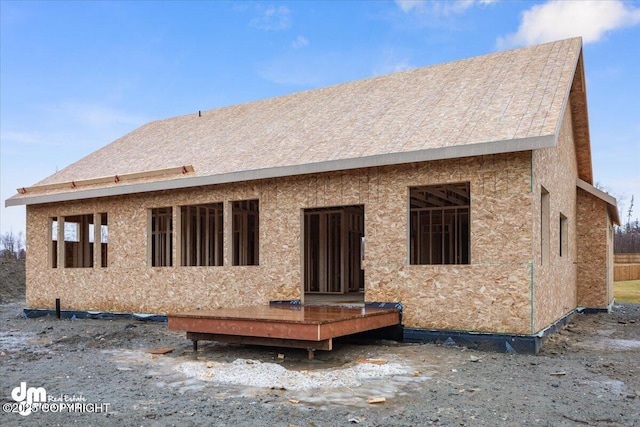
column 294, row 324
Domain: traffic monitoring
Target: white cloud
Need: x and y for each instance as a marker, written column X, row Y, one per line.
column 443, row 7
column 557, row 20
column 272, row 18
column 300, row 42
column 409, row 5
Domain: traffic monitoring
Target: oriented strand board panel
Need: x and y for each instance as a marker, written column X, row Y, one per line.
column 595, row 282
column 490, row 294
column 503, row 96
column 554, row 280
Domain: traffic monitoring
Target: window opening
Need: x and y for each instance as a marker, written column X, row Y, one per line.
column 439, row 224
column 201, row 234
column 104, row 240
column 78, row 241
column 245, row 230
column 53, row 243
column 161, row 239
column 564, row 234
column 545, row 229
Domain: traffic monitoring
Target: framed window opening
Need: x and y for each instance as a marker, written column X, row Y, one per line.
column 103, row 237
column 160, row 237
column 78, row 238
column 73, row 241
column 439, row 224
column 201, row 235
column 245, row 232
column 564, row 235
column 545, row 225
column 53, row 243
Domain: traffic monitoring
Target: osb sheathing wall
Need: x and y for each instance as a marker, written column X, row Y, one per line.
column 554, row 282
column 490, row 294
column 595, row 282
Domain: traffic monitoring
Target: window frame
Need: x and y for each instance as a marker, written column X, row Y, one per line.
column 245, row 232
column 72, row 241
column 160, row 237
column 450, row 203
column 545, row 226
column 563, row 237
column 201, row 232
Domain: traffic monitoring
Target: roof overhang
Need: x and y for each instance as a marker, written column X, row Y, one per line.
column 576, row 99
column 580, row 122
column 612, row 204
column 454, row 152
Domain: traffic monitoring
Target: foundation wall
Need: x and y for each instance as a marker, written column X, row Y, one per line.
column 491, row 294
column 554, row 278
column 595, row 282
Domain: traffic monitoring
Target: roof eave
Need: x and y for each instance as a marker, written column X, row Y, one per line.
column 470, row 150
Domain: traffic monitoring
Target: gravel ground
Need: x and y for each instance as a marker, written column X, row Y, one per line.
column 588, row 374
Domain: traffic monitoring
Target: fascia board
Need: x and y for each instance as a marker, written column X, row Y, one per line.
column 469, row 150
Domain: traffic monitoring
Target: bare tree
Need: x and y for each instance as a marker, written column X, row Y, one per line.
column 13, row 245
column 627, row 236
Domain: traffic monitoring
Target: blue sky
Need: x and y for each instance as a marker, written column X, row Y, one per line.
column 74, row 76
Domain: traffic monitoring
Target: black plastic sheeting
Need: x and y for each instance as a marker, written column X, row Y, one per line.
column 32, row 313
column 499, row 343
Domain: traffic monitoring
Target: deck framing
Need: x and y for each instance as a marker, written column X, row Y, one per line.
column 309, row 327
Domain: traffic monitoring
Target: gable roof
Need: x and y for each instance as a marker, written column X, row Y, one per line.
column 612, row 204
column 501, row 102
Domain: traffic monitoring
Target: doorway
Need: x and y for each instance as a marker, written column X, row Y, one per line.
column 333, row 251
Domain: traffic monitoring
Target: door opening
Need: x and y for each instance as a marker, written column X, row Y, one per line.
column 333, row 250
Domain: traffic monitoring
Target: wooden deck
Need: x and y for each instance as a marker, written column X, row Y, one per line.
column 297, row 326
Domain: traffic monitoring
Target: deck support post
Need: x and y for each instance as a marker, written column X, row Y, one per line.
column 195, row 346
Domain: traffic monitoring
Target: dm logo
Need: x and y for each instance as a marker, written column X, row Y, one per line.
column 27, row 397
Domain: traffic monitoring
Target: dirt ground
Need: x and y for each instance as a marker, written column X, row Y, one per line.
column 586, row 375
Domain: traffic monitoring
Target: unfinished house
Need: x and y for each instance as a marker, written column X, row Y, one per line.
column 462, row 193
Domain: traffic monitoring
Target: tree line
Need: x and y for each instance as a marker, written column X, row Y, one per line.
column 626, row 238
